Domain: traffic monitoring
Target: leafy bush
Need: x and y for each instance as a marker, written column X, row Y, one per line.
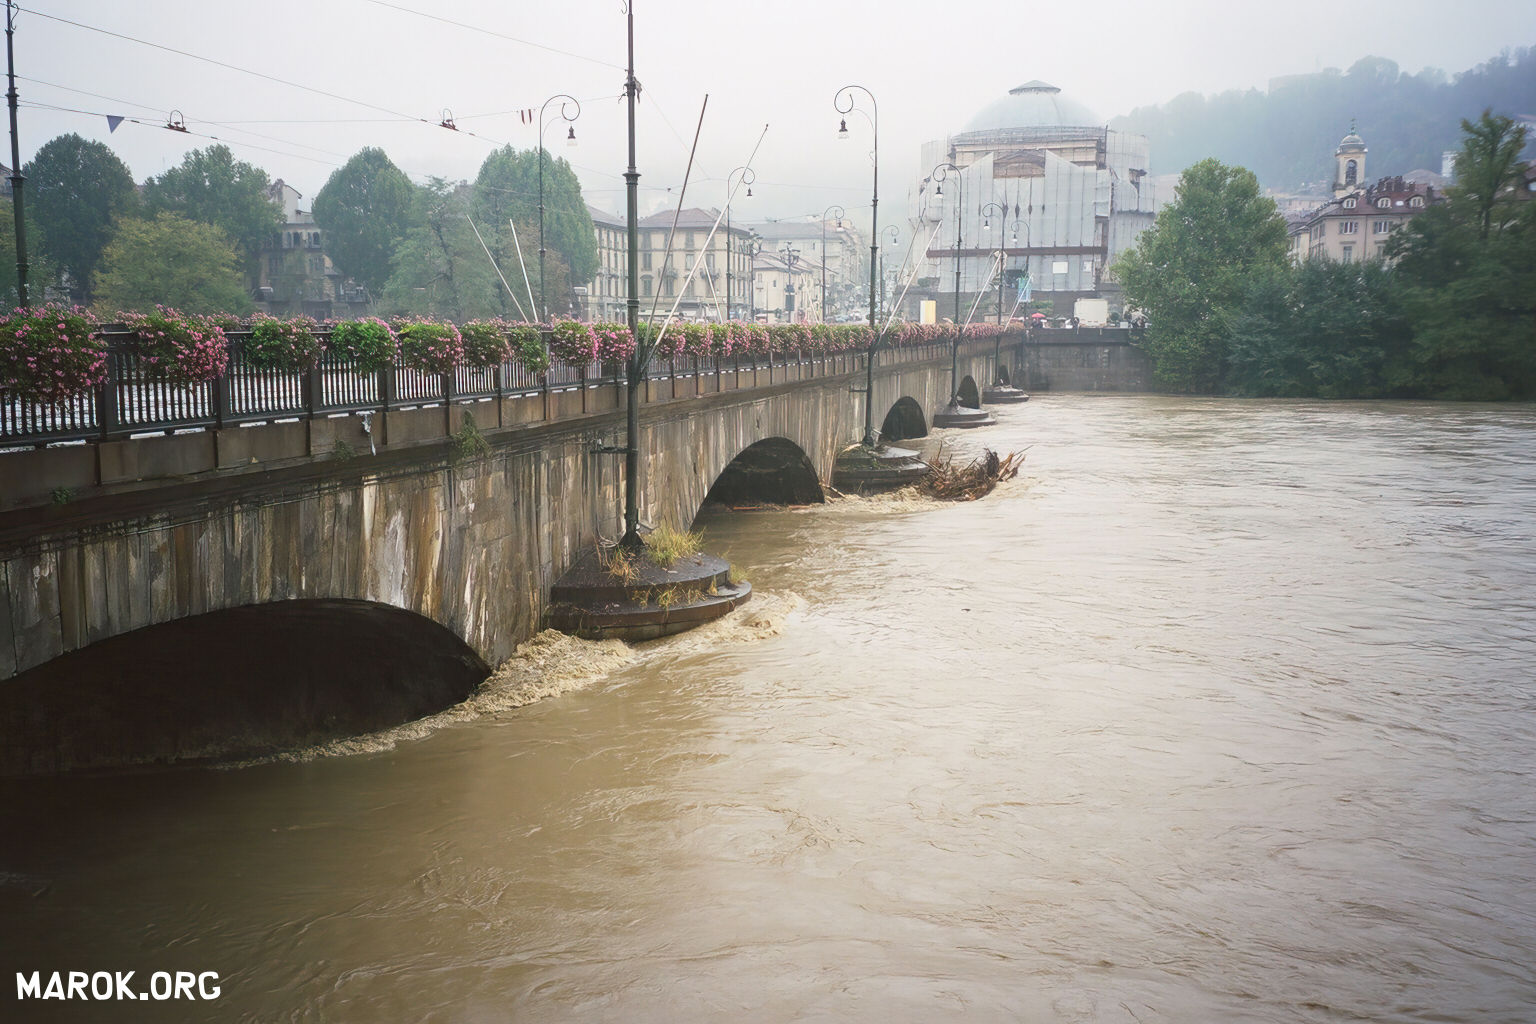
column 690, row 339
column 485, row 342
column 851, row 337
column 429, row 346
column 369, row 344
column 179, row 347
column 614, row 342
column 573, row 343
column 528, row 347
column 282, row 344
column 50, row 353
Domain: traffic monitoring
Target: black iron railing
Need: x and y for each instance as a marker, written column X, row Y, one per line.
column 135, row 399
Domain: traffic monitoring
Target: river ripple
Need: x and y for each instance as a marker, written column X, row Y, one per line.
column 1223, row 711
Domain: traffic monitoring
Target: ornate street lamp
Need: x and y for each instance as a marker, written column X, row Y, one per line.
column 939, row 176
column 840, row 215
column 571, row 139
column 747, row 178
column 999, row 391
column 986, row 225
column 754, row 246
column 846, row 106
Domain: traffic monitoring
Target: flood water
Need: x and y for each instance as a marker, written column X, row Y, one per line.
column 1220, row 712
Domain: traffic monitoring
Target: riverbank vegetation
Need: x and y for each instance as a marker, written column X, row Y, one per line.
column 1450, row 313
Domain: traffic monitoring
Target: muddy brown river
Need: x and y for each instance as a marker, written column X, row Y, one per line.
column 1222, row 711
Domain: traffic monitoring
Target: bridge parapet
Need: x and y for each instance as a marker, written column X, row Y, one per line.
column 284, row 419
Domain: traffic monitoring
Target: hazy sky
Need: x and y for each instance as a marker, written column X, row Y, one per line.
column 393, row 67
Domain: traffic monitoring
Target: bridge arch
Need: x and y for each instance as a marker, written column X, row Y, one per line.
column 904, row 421
column 970, row 396
column 231, row 684
column 774, row 471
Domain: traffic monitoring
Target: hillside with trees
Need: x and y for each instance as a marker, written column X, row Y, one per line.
column 1287, row 135
column 1450, row 314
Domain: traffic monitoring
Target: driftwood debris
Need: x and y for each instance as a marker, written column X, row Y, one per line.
column 967, row 483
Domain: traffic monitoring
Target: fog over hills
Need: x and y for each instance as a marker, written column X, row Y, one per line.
column 1287, row 135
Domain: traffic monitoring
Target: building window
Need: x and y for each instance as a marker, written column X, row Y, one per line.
column 645, row 261
column 1381, row 227
column 1348, row 255
column 1351, row 169
column 1383, row 203
column 1349, row 204
column 645, row 283
column 1349, row 227
column 1416, row 201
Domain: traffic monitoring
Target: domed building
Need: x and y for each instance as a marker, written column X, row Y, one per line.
column 1073, row 194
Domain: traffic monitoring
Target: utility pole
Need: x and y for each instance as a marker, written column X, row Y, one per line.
column 18, row 207
column 631, row 539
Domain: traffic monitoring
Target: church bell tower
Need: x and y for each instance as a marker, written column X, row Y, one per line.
column 1349, row 159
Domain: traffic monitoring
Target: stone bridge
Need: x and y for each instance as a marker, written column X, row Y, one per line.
column 182, row 580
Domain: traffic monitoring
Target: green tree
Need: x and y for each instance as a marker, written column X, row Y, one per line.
column 211, row 186
column 440, row 269
column 1488, row 168
column 1191, row 270
column 1469, row 268
column 41, row 273
column 75, row 189
column 507, row 189
column 170, row 261
column 1323, row 329
column 365, row 209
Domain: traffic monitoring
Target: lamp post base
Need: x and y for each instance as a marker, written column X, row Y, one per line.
column 1003, row 394
column 957, row 415
column 862, row 469
column 595, row 602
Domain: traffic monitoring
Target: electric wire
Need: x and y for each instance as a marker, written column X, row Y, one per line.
column 498, row 35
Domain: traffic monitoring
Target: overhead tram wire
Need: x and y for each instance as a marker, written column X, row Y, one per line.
column 230, row 125
column 394, row 114
column 183, row 131
column 228, row 67
column 271, row 78
column 498, row 35
column 234, row 125
column 397, row 114
column 415, row 176
column 225, row 122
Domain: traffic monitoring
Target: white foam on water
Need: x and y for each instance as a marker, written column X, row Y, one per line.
column 551, row 664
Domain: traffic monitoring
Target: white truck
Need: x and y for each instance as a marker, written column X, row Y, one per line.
column 1091, row 312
